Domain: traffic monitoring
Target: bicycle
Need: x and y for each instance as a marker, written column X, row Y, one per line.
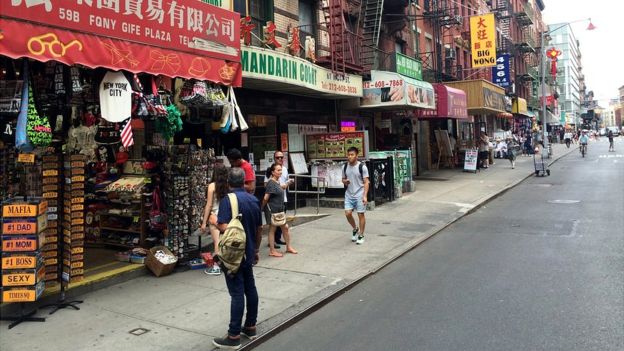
column 583, row 149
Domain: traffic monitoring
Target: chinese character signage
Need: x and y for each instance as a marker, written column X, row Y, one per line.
column 500, row 72
column 483, row 40
column 183, row 25
column 408, row 66
column 269, row 35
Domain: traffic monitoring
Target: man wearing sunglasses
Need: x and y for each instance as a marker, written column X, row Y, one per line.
column 278, row 156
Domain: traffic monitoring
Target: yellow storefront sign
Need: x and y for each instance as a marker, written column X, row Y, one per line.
column 483, row 40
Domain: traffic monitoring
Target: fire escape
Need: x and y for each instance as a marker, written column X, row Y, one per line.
column 439, row 63
column 373, row 12
column 526, row 45
column 341, row 44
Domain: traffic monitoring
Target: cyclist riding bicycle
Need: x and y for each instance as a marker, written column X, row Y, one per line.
column 583, row 140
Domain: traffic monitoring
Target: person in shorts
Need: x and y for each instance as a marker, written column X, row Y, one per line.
column 355, row 179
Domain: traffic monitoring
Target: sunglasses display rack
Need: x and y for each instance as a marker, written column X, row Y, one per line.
column 73, row 219
column 7, row 170
column 51, row 179
column 201, row 165
column 179, row 224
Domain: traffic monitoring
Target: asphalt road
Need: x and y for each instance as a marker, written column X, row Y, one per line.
column 539, row 268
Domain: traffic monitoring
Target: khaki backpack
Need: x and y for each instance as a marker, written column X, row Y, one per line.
column 233, row 241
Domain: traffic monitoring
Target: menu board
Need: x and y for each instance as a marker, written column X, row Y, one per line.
column 470, row 161
column 334, row 145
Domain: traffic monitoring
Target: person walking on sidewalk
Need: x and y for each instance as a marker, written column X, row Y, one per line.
column 484, row 150
column 610, row 136
column 272, row 203
column 217, row 190
column 241, row 285
column 284, row 183
column 235, row 157
column 355, row 179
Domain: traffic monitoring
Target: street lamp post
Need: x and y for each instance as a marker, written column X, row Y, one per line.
column 543, row 75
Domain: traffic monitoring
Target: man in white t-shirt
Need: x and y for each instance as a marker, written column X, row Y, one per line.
column 278, row 156
column 355, row 178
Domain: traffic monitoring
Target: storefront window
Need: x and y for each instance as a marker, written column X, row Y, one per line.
column 307, row 20
column 262, row 135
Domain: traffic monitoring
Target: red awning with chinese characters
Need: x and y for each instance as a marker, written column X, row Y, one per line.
column 183, row 38
column 450, row 103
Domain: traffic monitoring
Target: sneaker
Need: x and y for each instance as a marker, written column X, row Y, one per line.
column 214, row 270
column 227, row 342
column 354, row 235
column 249, row 332
column 360, row 240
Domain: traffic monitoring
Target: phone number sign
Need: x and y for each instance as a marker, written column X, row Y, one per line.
column 182, row 25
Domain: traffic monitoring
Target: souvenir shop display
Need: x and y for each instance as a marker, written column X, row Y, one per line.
column 69, row 139
column 73, row 219
column 51, row 170
column 23, row 269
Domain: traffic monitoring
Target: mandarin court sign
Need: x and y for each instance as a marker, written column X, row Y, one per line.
column 483, row 40
column 269, row 65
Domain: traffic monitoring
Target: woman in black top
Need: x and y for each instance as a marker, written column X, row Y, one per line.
column 273, row 202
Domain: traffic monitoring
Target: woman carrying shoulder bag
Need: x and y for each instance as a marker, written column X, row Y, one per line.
column 217, row 190
column 273, row 204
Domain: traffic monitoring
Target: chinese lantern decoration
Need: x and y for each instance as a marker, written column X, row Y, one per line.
column 553, row 55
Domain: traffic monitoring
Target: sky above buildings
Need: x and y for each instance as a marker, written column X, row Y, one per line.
column 602, row 48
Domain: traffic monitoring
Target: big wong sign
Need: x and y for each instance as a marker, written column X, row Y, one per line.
column 186, row 38
column 483, row 40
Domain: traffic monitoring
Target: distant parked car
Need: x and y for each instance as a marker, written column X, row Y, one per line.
column 615, row 130
column 603, row 131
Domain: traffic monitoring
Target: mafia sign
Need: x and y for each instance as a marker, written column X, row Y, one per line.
column 483, row 40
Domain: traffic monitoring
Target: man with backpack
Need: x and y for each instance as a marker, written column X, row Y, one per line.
column 355, row 179
column 239, row 220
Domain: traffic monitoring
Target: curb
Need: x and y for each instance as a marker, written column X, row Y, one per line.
column 325, row 296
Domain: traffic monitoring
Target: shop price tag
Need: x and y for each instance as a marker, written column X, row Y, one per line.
column 199, row 142
column 23, row 294
column 24, row 210
column 26, row 158
column 136, row 219
column 21, row 243
column 25, row 278
column 25, row 226
column 77, row 207
column 19, row 262
column 50, row 173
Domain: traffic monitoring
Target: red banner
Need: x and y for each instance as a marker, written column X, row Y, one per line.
column 43, row 43
column 182, row 25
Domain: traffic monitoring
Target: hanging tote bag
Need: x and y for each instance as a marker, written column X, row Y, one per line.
column 241, row 121
column 155, row 106
column 157, row 218
column 37, row 126
column 226, row 115
column 21, row 138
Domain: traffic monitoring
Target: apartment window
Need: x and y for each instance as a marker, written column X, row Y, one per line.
column 260, row 11
column 307, row 21
column 429, row 51
column 399, row 47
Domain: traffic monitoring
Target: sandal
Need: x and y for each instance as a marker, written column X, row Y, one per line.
column 276, row 254
column 292, row 251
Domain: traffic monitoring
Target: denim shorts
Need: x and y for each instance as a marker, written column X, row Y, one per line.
column 356, row 203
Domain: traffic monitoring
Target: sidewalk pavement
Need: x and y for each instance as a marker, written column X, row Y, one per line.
column 184, row 311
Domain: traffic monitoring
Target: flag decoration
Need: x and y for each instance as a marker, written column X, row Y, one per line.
column 127, row 139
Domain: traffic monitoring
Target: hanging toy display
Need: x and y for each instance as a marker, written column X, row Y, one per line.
column 37, row 127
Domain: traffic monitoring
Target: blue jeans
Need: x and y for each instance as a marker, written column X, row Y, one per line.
column 240, row 286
